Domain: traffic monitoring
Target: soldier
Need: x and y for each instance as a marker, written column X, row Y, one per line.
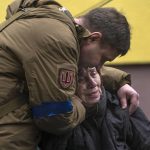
column 39, row 50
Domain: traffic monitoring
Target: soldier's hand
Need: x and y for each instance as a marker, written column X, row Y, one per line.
column 127, row 94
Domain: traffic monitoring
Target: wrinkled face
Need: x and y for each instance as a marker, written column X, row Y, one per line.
column 89, row 86
column 93, row 54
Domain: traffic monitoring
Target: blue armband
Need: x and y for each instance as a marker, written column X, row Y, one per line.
column 51, row 109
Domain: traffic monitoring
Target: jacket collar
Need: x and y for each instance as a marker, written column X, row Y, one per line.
column 18, row 5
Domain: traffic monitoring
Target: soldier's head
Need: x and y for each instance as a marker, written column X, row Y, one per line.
column 109, row 38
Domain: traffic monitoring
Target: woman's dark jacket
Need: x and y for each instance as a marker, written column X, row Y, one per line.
column 107, row 127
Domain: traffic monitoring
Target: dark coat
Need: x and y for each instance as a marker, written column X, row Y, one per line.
column 110, row 128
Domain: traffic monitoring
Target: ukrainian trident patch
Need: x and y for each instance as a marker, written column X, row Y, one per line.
column 66, row 78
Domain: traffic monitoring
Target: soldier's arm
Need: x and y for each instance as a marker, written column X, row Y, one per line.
column 119, row 82
column 114, row 78
column 51, row 71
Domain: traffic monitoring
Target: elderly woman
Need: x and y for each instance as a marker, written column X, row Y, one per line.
column 107, row 126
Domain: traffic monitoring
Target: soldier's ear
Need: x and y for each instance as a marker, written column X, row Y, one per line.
column 95, row 36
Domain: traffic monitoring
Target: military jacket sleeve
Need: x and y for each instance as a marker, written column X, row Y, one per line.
column 47, row 52
column 51, row 70
column 114, row 78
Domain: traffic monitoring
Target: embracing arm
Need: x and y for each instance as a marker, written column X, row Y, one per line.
column 118, row 81
column 50, row 66
column 114, row 78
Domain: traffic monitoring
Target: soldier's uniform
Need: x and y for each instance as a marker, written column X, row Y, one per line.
column 39, row 52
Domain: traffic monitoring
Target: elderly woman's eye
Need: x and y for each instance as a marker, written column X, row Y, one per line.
column 93, row 73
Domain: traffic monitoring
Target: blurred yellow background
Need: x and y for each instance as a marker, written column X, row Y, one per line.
column 137, row 13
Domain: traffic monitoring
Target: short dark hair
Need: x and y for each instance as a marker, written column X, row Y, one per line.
column 112, row 24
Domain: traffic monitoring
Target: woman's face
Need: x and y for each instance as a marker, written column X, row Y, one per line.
column 89, row 86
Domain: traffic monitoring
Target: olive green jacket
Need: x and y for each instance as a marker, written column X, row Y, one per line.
column 39, row 54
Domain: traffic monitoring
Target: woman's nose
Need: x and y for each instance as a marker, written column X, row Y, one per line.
column 91, row 82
